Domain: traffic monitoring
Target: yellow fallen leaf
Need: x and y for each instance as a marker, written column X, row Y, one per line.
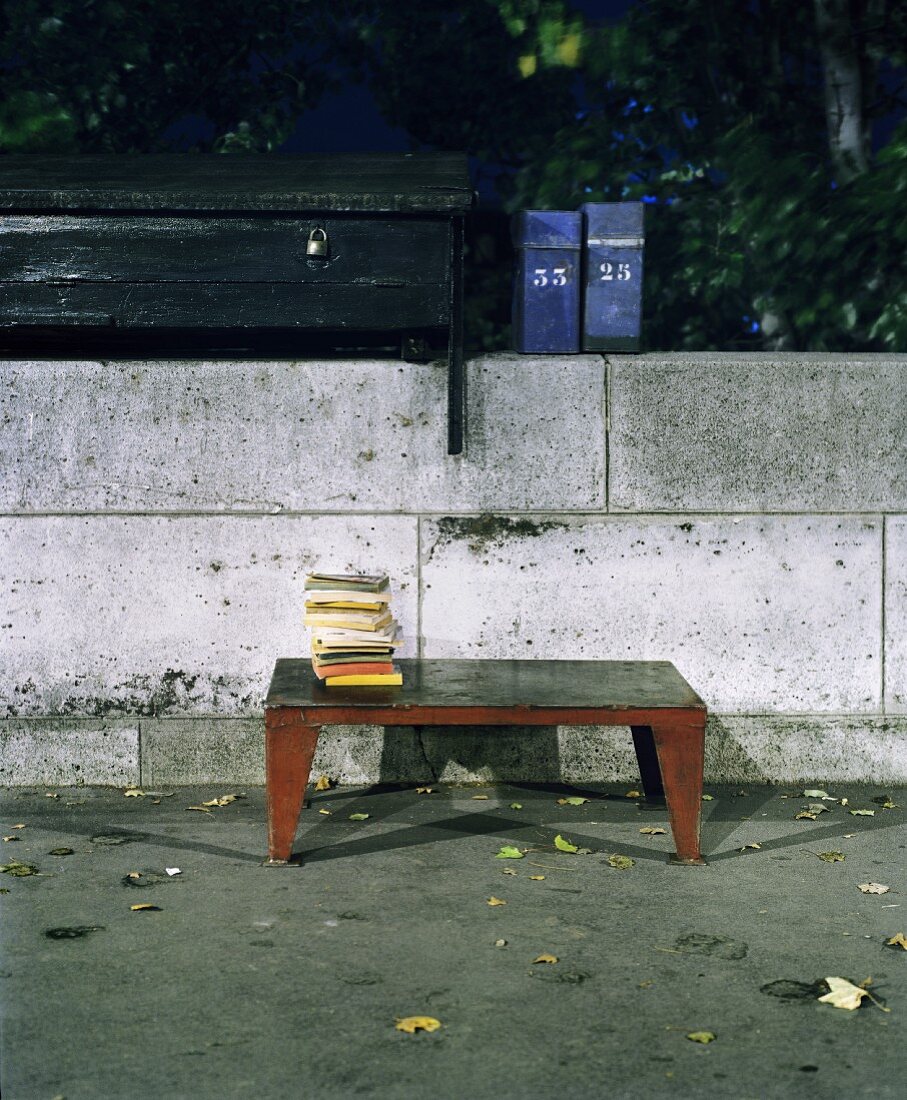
column 224, row 800
column 745, row 846
column 496, row 901
column 412, row 1024
column 324, row 783
column 20, row 826
column 145, row 906
column 632, row 794
column 480, row 798
column 327, row 813
column 702, row 1036
column 898, row 940
column 873, row 888
column 805, row 815
column 201, row 809
column 12, row 837
column 621, row 863
column 134, row 792
column 537, row 878
column 573, row 800
column 706, row 798
column 134, row 874
column 843, row 994
column 563, row 845
column 830, row 857
column 545, row 959
column 653, row 830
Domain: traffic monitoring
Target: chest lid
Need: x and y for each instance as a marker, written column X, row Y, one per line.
column 399, row 183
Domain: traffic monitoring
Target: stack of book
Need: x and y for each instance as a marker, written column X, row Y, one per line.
column 354, row 634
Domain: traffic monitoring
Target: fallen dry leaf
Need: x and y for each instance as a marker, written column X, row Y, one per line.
column 573, row 800
column 831, row 857
column 653, row 830
column 412, row 1024
column 702, row 1036
column 61, row 852
column 633, row 794
column 359, row 817
column 12, row 836
column 817, row 794
column 20, row 826
column 621, row 863
column 145, row 907
column 508, row 871
column 509, row 852
column 224, row 800
column 862, row 813
column 17, row 869
column 496, row 901
column 516, row 805
column 425, row 790
column 323, row 783
column 134, row 874
column 500, row 943
column 51, row 794
column 898, row 940
column 545, row 959
column 134, row 792
column 843, row 994
column 201, row 809
column 745, row 846
column 873, row 888
column 564, row 845
column 707, row 798
column 480, row 798
column 537, row 878
column 849, row 836
column 327, row 813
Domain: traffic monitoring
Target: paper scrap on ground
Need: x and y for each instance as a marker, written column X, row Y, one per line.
column 171, row 871
column 873, row 888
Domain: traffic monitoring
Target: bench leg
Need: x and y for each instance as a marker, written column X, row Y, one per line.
column 289, row 749
column 680, row 745
column 649, row 771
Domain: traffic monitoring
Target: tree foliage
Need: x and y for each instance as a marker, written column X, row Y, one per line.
column 754, row 129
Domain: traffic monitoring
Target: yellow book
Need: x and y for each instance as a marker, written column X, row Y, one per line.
column 342, row 621
column 379, row 679
column 346, row 604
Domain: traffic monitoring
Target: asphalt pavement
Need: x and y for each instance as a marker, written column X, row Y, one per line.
column 236, row 979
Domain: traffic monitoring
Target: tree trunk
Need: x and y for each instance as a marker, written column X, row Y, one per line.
column 847, row 131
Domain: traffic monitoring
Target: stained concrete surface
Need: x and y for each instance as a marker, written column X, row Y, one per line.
column 283, row 982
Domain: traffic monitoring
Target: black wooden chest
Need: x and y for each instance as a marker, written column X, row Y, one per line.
column 273, row 253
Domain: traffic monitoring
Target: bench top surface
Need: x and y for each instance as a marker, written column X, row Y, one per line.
column 605, row 685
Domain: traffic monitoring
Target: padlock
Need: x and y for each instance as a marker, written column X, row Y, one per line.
column 317, row 246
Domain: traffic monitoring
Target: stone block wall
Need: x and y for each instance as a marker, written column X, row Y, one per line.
column 744, row 516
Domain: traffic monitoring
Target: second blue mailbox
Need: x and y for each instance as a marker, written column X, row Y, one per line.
column 546, row 292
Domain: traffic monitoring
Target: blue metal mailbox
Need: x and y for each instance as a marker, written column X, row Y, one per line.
column 546, row 292
column 612, row 303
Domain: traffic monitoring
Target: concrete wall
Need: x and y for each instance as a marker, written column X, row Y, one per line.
column 742, row 515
